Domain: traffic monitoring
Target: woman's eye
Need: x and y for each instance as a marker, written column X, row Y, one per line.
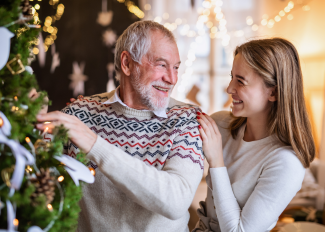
column 240, row 82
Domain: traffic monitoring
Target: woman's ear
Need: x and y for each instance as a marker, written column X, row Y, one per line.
column 273, row 94
column 126, row 63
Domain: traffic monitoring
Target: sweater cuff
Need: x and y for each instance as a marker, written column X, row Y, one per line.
column 220, row 183
column 97, row 152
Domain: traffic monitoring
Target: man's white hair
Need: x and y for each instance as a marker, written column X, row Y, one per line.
column 136, row 40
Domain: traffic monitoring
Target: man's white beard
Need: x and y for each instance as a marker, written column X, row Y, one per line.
column 146, row 92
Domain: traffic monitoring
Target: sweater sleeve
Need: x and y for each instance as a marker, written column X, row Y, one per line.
column 278, row 183
column 169, row 191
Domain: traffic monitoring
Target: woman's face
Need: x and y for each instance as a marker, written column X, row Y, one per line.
column 251, row 98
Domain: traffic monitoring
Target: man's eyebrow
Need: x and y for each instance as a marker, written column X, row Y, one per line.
column 163, row 59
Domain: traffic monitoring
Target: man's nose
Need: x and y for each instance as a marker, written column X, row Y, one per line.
column 170, row 76
column 231, row 88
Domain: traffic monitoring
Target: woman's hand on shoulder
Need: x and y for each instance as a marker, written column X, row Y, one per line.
column 212, row 141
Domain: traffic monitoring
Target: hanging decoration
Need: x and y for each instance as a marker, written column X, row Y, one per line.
column 109, row 38
column 78, row 79
column 77, row 170
column 5, row 36
column 14, row 61
column 104, row 17
column 55, row 59
column 110, row 83
column 133, row 8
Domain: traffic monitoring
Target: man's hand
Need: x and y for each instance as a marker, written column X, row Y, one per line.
column 33, row 94
column 78, row 132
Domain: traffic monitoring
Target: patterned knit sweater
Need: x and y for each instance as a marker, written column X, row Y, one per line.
column 147, row 168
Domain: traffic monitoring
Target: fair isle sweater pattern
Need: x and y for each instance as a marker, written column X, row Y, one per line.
column 151, row 140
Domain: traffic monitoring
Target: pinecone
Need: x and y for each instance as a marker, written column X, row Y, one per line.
column 44, row 184
column 26, row 9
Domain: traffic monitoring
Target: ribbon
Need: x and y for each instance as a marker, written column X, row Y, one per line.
column 22, row 155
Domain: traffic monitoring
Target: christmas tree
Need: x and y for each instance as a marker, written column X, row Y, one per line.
column 37, row 192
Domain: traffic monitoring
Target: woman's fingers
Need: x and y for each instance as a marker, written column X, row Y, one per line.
column 204, row 126
column 213, row 123
column 203, row 135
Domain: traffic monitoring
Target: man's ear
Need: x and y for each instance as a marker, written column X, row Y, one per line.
column 273, row 94
column 126, row 63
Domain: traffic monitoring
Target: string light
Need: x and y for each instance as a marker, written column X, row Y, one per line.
column 16, row 222
column 134, row 9
column 50, row 207
column 60, row 178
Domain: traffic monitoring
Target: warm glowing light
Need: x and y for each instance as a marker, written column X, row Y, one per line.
column 249, row 20
column 264, row 22
column 206, row 4
column 287, row 9
column 254, row 27
column 291, row 4
column 217, row 10
column 27, row 139
column 50, row 29
column 239, row 33
column 214, row 29
column 60, row 178
column 219, row 16
column 158, row 19
column 265, row 16
column 17, row 108
column 50, row 207
column 206, row 12
column 277, row 18
column 37, row 6
column 147, row 7
column 209, row 24
column 15, row 222
column 306, row 8
column 16, row 98
column 290, row 17
column 46, row 129
column 92, row 171
column 165, row 16
column 45, row 28
column 270, row 24
column 178, row 21
column 282, row 13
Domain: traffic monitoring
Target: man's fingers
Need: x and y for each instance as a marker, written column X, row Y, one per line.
column 52, row 116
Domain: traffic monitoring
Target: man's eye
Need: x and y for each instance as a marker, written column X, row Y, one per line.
column 231, row 76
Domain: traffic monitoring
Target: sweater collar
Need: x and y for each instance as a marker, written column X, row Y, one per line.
column 116, row 98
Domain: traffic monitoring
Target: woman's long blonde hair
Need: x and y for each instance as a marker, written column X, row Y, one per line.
column 276, row 60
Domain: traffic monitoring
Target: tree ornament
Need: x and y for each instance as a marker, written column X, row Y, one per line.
column 26, row 9
column 104, row 17
column 109, row 37
column 18, row 61
column 5, row 36
column 78, row 78
column 44, row 184
column 5, row 175
column 41, row 145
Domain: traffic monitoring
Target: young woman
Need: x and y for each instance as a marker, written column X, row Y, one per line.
column 257, row 154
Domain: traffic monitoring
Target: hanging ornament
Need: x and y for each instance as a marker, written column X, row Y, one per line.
column 26, row 9
column 41, row 145
column 77, row 170
column 22, row 155
column 109, row 37
column 110, row 83
column 5, row 36
column 29, row 69
column 6, row 174
column 35, row 229
column 55, row 59
column 104, row 17
column 41, row 54
column 17, row 61
column 44, row 185
column 78, row 79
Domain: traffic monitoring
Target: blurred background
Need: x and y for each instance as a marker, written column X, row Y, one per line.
column 75, row 55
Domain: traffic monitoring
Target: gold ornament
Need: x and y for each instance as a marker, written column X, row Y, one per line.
column 92, row 171
column 5, row 175
column 16, row 59
column 1, row 122
column 41, row 145
column 44, row 184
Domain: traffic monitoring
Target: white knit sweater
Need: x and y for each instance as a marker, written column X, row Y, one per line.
column 147, row 167
column 257, row 183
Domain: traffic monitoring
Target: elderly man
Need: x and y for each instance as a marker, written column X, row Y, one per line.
column 144, row 145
